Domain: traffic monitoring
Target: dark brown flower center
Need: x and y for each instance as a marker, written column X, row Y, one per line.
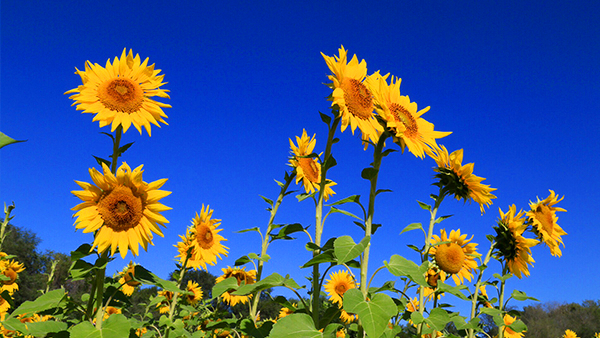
column 402, row 115
column 121, row 95
column 359, row 99
column 120, row 209
column 309, row 168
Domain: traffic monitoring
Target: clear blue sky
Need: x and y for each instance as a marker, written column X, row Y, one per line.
column 516, row 83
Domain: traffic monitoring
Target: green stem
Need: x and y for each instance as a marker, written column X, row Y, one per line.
column 438, row 200
column 316, row 290
column 501, row 301
column 265, row 240
column 477, row 285
column 176, row 294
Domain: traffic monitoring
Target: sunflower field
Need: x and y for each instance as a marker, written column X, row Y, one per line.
column 122, row 213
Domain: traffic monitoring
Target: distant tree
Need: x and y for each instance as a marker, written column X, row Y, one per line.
column 552, row 319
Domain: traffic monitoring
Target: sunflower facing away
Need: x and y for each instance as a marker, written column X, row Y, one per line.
column 11, row 269
column 402, row 118
column 123, row 211
column 202, row 241
column 457, row 257
column 352, row 96
column 512, row 246
column 127, row 279
column 121, row 93
column 243, row 278
column 544, row 220
column 338, row 283
column 459, row 180
column 308, row 170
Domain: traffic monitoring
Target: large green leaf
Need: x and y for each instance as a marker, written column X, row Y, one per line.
column 224, row 286
column 41, row 329
column 144, row 276
column 115, row 326
column 268, row 282
column 44, row 302
column 375, row 314
column 400, row 266
column 345, row 248
column 297, row 325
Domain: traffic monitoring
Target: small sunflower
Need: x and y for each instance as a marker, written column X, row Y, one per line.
column 308, row 169
column 347, row 318
column 120, row 94
column 164, row 305
column 352, row 96
column 570, row 334
column 122, row 210
column 408, row 128
column 483, row 293
column 458, row 179
column 11, row 269
column 111, row 310
column 457, row 257
column 286, row 311
column 338, row 283
column 127, row 279
column 512, row 246
column 543, row 217
column 243, row 278
column 196, row 291
column 508, row 332
column 202, row 241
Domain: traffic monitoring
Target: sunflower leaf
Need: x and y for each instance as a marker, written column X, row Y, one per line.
column 146, row 277
column 400, row 266
column 374, row 314
column 345, row 249
column 247, row 326
column 269, row 201
column 379, row 191
column 441, row 218
column 101, row 161
column 124, row 148
column 413, row 226
column 286, row 231
column 45, row 302
column 257, row 229
column 6, row 140
column 353, row 198
column 242, row 260
column 330, row 162
column 369, row 173
column 296, row 325
column 455, row 290
column 334, row 210
column 520, row 295
column 224, row 286
column 424, row 206
column 109, row 135
column 324, row 257
column 325, row 118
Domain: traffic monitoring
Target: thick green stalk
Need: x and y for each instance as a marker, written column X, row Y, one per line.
column 477, row 285
column 176, row 294
column 433, row 212
column 265, row 240
column 501, row 301
column 316, row 289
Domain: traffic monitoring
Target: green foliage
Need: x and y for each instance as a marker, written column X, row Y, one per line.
column 6, row 140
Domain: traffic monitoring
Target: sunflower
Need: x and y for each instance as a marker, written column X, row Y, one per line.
column 120, row 94
column 346, row 317
column 457, row 257
column 196, row 291
column 202, row 241
column 11, row 269
column 512, row 246
column 164, row 306
column 483, row 293
column 543, row 217
column 127, row 279
column 243, row 277
column 286, row 311
column 308, row 169
column 338, row 283
column 122, row 210
column 111, row 310
column 458, row 179
column 508, row 332
column 353, row 98
column 402, row 118
column 569, row 334
column 4, row 306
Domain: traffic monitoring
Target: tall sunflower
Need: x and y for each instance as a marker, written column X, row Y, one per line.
column 121, row 93
column 308, row 169
column 544, row 220
column 243, row 277
column 407, row 126
column 127, row 281
column 457, row 257
column 352, row 96
column 123, row 211
column 511, row 245
column 202, row 241
column 338, row 283
column 459, row 180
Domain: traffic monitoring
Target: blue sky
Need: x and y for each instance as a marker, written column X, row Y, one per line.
column 516, row 83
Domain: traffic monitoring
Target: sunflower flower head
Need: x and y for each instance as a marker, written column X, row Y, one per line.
column 202, row 243
column 348, row 318
column 10, row 269
column 286, row 311
column 352, row 96
column 512, row 247
column 570, row 334
column 458, row 180
column 127, row 279
column 338, row 283
column 243, row 277
column 508, row 332
column 195, row 292
column 544, row 220
column 120, row 94
column 165, row 304
column 122, row 211
column 454, row 255
column 308, row 168
column 401, row 117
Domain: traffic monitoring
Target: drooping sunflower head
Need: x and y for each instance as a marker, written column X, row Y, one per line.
column 458, row 179
column 308, row 168
column 10, row 269
column 127, row 279
column 512, row 247
column 120, row 94
column 123, row 211
column 243, row 277
column 196, row 293
column 352, row 96
column 544, row 220
column 202, row 241
column 401, row 117
column 570, row 334
column 508, row 332
column 454, row 255
column 338, row 283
